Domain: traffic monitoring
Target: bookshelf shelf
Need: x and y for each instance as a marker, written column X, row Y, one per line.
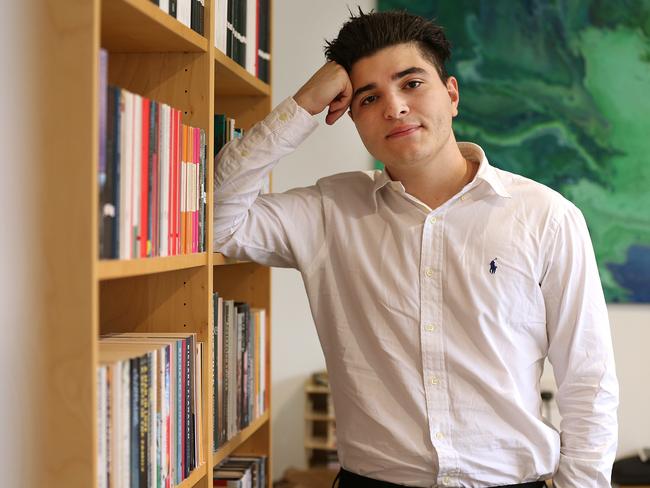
column 141, row 26
column 318, row 443
column 194, row 477
column 219, row 259
column 233, row 79
column 113, row 269
column 315, row 415
column 229, row 447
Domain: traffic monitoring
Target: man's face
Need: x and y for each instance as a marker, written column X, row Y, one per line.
column 401, row 108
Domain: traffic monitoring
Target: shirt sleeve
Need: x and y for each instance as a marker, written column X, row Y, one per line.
column 271, row 229
column 581, row 353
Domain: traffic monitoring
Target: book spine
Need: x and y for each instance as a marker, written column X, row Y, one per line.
column 144, row 422
column 107, row 204
column 104, row 241
column 202, row 193
column 144, row 179
column 188, row 403
column 177, row 182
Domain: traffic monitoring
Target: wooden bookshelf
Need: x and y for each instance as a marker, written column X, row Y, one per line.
column 320, row 424
column 120, row 268
column 154, row 55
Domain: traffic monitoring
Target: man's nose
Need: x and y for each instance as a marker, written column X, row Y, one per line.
column 396, row 107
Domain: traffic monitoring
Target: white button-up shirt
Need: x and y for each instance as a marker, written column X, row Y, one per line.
column 435, row 323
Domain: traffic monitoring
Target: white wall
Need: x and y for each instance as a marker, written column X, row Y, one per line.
column 300, row 27
column 631, row 337
column 20, row 264
column 299, row 30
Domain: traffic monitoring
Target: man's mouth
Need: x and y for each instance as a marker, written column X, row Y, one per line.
column 402, row 131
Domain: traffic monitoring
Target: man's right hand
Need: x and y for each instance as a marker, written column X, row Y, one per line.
column 330, row 85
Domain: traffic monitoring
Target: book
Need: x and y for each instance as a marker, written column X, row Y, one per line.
column 152, row 194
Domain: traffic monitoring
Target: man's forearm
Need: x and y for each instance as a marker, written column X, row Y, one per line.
column 242, row 165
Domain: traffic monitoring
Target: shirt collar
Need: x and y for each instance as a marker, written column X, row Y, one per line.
column 486, row 171
column 469, row 150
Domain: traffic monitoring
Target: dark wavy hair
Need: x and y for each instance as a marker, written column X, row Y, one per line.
column 365, row 34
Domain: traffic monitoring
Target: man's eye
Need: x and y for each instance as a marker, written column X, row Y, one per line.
column 368, row 100
column 414, row 83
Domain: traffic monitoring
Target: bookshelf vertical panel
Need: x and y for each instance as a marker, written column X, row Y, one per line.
column 177, row 79
column 67, row 135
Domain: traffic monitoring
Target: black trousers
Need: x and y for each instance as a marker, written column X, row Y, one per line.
column 351, row 480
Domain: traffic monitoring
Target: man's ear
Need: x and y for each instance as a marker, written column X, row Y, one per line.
column 454, row 94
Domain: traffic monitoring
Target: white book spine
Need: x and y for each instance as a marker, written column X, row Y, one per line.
column 164, row 6
column 187, row 12
column 251, row 35
column 102, row 480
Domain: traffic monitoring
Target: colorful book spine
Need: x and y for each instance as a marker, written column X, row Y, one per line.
column 151, row 179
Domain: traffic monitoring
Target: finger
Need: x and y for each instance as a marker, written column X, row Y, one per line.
column 333, row 116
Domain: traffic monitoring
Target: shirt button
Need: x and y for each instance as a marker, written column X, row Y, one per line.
column 440, row 436
column 433, row 220
column 283, row 117
column 428, row 271
column 245, row 153
column 463, row 197
column 434, row 380
column 446, row 480
column 430, row 328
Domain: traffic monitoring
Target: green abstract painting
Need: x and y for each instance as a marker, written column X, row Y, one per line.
column 559, row 91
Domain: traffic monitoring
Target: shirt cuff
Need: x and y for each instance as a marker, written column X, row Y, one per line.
column 291, row 122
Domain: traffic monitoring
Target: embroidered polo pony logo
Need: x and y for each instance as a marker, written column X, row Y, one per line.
column 493, row 266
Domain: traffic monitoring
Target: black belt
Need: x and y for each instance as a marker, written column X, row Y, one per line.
column 348, row 479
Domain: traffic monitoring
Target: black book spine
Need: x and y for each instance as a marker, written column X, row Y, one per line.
column 153, row 149
column 173, row 8
column 107, row 213
column 188, row 400
column 134, row 365
column 243, row 31
column 226, row 371
column 193, row 15
column 229, row 36
column 117, row 154
column 202, row 17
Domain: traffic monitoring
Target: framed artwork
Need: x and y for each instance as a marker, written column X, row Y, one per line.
column 560, row 92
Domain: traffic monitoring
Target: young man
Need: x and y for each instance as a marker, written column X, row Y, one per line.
column 437, row 286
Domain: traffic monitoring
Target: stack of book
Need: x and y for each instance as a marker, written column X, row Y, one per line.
column 242, row 32
column 150, row 409
column 152, row 177
column 189, row 12
column 241, row 472
column 224, row 132
column 239, row 395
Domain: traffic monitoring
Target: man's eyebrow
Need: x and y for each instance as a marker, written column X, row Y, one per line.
column 395, row 76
